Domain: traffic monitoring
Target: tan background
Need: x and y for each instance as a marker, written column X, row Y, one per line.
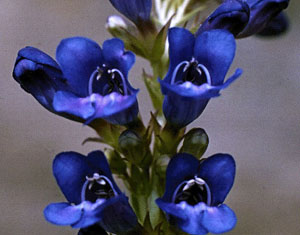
column 257, row 120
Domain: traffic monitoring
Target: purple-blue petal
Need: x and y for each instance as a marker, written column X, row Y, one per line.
column 232, row 15
column 185, row 102
column 218, row 171
column 199, row 219
column 219, row 219
column 116, row 57
column 118, row 216
column 39, row 75
column 215, row 49
column 67, row 102
column 180, row 111
column 97, row 159
column 70, row 170
column 78, row 58
column 37, row 56
column 277, row 26
column 184, row 216
column 181, row 45
column 261, row 13
column 114, row 215
column 62, row 213
column 135, row 10
column 116, row 108
column 182, row 166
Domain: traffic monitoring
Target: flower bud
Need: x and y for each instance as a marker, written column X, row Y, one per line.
column 195, row 142
column 277, row 26
column 261, row 13
column 115, row 22
column 232, row 15
column 132, row 146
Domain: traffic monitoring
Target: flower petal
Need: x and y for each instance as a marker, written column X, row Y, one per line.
column 182, row 166
column 219, row 219
column 184, row 216
column 181, row 44
column 116, row 57
column 37, row 56
column 185, row 102
column 231, row 15
column 180, row 111
column 78, row 58
column 135, row 10
column 115, row 108
column 70, row 170
column 98, row 160
column 215, row 49
column 39, row 75
column 277, row 26
column 62, row 213
column 114, row 214
column 218, row 171
column 261, row 13
column 67, row 102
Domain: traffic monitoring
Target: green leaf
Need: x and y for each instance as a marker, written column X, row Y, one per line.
column 156, row 216
column 116, row 163
column 160, row 42
column 139, row 204
column 153, row 88
column 93, row 139
column 132, row 42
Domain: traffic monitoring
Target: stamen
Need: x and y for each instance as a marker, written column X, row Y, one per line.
column 176, row 70
column 123, row 80
column 186, row 194
column 92, row 77
column 99, row 179
column 206, row 73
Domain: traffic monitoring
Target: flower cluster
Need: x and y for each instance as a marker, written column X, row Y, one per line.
column 170, row 186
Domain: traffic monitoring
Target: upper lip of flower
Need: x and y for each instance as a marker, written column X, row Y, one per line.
column 216, row 173
column 206, row 61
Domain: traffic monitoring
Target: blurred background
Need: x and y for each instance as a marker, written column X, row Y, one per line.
column 257, row 120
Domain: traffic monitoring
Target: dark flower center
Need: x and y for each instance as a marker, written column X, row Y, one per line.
column 97, row 187
column 192, row 192
column 190, row 71
column 105, row 81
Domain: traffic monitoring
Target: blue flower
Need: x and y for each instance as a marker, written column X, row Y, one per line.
column 261, row 13
column 137, row 11
column 195, row 192
column 232, row 15
column 92, row 194
column 196, row 73
column 88, row 83
column 278, row 25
